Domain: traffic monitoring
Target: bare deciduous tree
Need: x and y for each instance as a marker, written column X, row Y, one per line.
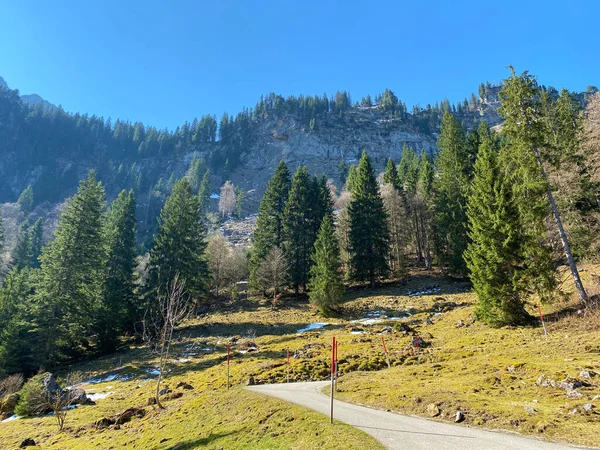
column 173, row 308
column 398, row 232
column 218, row 253
column 227, row 199
column 272, row 272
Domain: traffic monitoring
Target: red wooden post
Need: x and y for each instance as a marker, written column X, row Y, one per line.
column 228, row 360
column 387, row 357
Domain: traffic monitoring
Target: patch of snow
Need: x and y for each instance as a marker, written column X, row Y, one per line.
column 98, row 396
column 367, row 321
column 312, row 326
column 214, row 196
column 357, row 332
column 183, row 360
column 11, row 418
column 102, row 380
column 154, row 372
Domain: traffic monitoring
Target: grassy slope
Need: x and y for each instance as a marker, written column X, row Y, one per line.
column 488, row 373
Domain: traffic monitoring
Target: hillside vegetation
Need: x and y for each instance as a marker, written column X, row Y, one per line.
column 491, row 375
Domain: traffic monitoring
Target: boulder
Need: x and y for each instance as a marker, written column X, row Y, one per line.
column 185, row 386
column 164, row 391
column 251, row 381
column 433, row 410
column 128, row 414
column 50, row 384
column 459, row 417
column 530, row 409
column 173, row 395
column 78, row 396
column 27, row 443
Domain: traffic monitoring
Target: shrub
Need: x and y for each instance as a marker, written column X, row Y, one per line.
column 11, row 384
column 31, row 397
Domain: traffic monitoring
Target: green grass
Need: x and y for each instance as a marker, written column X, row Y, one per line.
column 489, row 374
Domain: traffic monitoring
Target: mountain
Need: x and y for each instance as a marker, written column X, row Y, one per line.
column 52, row 150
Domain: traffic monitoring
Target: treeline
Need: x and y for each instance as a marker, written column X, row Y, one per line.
column 55, row 141
column 89, row 286
column 494, row 207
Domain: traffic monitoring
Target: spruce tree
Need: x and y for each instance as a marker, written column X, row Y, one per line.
column 390, row 175
column 36, row 240
column 73, row 273
column 451, row 189
column 326, row 287
column 494, row 254
column 269, row 223
column 195, row 173
column 369, row 234
column 298, row 232
column 25, row 200
column 119, row 307
column 179, row 245
column 22, row 254
column 204, row 193
column 19, row 333
column 351, row 178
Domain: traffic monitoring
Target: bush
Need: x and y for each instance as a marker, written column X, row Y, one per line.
column 11, row 384
column 31, row 397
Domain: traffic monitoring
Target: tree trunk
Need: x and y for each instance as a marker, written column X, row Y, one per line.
column 583, row 297
column 418, row 240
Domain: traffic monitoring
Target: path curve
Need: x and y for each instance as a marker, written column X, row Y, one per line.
column 395, row 431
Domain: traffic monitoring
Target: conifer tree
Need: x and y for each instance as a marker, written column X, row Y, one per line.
column 390, row 175
column 195, row 173
column 119, row 307
column 36, row 236
column 70, row 288
column 269, row 223
column 25, row 200
column 179, row 245
column 351, row 178
column 204, row 192
column 494, row 254
column 19, row 333
column 451, row 189
column 326, row 286
column 297, row 230
column 22, row 254
column 369, row 232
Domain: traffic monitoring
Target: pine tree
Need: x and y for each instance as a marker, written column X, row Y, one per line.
column 390, row 175
column 494, row 255
column 269, row 224
column 297, row 228
column 36, row 240
column 369, row 232
column 22, row 254
column 19, row 333
column 351, row 178
column 26, row 199
column 119, row 307
column 179, row 245
column 205, row 192
column 195, row 173
column 70, row 288
column 326, row 286
column 451, row 189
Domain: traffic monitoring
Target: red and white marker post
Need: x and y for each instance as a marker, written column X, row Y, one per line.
column 333, row 347
column 543, row 323
column 228, row 360
column 387, row 356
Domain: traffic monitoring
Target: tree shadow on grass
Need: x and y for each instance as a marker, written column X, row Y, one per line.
column 200, row 442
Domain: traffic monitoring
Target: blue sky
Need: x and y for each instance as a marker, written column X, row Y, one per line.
column 165, row 62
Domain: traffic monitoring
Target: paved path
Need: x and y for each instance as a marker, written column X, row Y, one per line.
column 403, row 432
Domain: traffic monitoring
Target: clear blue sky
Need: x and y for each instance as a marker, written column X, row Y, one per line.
column 164, row 62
